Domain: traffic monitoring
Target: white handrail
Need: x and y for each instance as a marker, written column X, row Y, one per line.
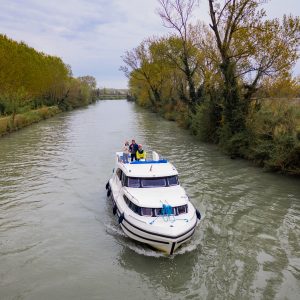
column 155, row 156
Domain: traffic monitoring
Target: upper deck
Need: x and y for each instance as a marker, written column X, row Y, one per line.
column 153, row 166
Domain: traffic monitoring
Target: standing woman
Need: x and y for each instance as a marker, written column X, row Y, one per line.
column 126, row 152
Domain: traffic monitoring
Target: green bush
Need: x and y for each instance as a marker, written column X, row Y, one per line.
column 274, row 133
column 205, row 122
column 236, row 145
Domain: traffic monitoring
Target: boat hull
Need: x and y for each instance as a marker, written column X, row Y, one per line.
column 162, row 242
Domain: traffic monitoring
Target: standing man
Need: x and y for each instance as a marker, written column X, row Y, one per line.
column 133, row 148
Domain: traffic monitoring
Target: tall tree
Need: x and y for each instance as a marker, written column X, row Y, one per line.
column 177, row 14
column 141, row 64
column 249, row 48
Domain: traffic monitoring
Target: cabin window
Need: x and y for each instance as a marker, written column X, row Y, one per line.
column 153, row 182
column 126, row 200
column 153, row 212
column 135, row 208
column 119, row 174
column 157, row 212
column 132, row 206
column 124, row 178
column 133, row 182
column 146, row 211
column 181, row 209
column 173, row 180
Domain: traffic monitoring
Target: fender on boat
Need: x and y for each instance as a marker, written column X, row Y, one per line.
column 121, row 218
column 108, row 192
column 114, row 209
column 198, row 214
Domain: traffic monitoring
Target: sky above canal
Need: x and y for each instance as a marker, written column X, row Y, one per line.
column 92, row 35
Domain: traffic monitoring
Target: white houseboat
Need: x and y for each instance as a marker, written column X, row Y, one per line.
column 152, row 207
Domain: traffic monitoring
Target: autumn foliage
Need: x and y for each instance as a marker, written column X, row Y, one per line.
column 30, row 80
column 215, row 78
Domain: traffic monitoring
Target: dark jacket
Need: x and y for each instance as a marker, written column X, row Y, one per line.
column 133, row 148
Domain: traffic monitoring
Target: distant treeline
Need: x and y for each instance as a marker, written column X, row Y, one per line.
column 111, row 94
column 215, row 79
column 30, row 80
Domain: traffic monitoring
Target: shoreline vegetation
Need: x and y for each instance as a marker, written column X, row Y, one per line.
column 8, row 124
column 230, row 82
column 35, row 86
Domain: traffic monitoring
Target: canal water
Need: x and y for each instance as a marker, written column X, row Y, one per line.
column 60, row 240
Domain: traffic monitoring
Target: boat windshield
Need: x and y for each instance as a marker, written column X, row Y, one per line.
column 135, row 182
column 154, row 212
column 153, row 182
column 173, row 180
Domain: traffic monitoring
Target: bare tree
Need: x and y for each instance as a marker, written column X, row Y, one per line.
column 176, row 14
column 139, row 65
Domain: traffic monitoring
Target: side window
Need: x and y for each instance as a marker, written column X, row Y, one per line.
column 173, row 180
column 183, row 209
column 133, row 182
column 124, row 179
column 126, row 200
column 119, row 173
column 146, row 211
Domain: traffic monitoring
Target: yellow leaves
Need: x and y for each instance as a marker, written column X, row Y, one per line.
column 283, row 86
column 277, row 117
column 23, row 67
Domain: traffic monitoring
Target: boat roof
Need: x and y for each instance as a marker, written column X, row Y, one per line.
column 156, row 197
column 156, row 167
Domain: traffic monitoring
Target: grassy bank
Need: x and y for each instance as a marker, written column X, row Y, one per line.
column 12, row 123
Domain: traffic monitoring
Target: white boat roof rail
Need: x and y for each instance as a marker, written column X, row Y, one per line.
column 152, row 157
column 155, row 156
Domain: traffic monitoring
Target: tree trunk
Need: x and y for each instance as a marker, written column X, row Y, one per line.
column 234, row 112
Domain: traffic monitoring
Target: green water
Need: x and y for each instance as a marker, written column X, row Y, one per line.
column 60, row 240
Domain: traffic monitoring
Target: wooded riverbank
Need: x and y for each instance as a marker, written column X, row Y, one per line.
column 35, row 86
column 214, row 79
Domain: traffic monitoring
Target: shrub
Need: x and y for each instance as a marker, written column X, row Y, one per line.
column 8, row 124
column 4, row 125
column 206, row 121
column 275, row 137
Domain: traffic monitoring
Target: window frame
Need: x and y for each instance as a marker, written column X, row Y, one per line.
column 127, row 179
column 155, row 211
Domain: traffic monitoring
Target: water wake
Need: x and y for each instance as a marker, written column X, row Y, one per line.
column 114, row 230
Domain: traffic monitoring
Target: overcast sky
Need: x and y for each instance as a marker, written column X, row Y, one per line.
column 92, row 35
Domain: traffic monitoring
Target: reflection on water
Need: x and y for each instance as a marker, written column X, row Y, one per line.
column 167, row 274
column 60, row 240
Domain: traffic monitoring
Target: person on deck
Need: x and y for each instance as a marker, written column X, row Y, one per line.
column 126, row 152
column 133, row 149
column 140, row 154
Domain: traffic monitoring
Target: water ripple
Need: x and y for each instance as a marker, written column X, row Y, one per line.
column 57, row 230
